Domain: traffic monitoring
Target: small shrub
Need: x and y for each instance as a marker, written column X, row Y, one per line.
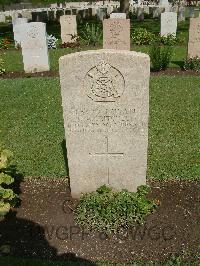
column 91, row 34
column 4, row 43
column 52, row 41
column 170, row 39
column 73, row 44
column 160, row 56
column 109, row 210
column 192, row 64
column 2, row 69
column 141, row 36
column 7, row 196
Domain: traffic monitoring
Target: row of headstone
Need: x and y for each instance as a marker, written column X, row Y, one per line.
column 116, row 35
column 84, row 10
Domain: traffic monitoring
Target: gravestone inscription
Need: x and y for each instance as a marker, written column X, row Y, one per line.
column 116, row 34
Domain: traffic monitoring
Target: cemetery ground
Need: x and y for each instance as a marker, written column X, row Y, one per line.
column 42, row 226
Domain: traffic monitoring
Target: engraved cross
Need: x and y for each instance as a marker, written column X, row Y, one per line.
column 108, row 155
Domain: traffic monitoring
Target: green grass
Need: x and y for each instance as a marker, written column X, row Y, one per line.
column 13, row 59
column 32, row 126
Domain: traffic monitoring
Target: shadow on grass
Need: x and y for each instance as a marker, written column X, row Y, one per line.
column 21, row 238
column 178, row 63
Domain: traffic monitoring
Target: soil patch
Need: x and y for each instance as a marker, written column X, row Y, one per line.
column 168, row 72
column 43, row 226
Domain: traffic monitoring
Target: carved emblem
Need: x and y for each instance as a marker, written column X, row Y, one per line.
column 104, row 83
column 33, row 32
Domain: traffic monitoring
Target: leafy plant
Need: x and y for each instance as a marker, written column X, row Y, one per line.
column 91, row 34
column 4, row 43
column 141, row 36
column 7, row 196
column 192, row 63
column 52, row 41
column 73, row 44
column 160, row 55
column 109, row 210
column 170, row 39
column 2, row 69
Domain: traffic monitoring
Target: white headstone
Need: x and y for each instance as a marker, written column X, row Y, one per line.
column 105, row 99
column 118, row 15
column 2, row 18
column 181, row 15
column 34, row 48
column 168, row 23
column 18, row 29
column 68, row 28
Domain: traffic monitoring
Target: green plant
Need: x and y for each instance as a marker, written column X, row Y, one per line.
column 109, row 210
column 91, row 34
column 7, row 196
column 2, row 69
column 170, row 39
column 141, row 36
column 4, row 43
column 192, row 63
column 160, row 55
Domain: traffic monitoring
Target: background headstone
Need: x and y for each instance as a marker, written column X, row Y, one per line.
column 34, row 48
column 194, row 38
column 168, row 23
column 2, row 18
column 68, row 28
column 140, row 13
column 181, row 13
column 18, row 29
column 116, row 34
column 118, row 15
column 106, row 104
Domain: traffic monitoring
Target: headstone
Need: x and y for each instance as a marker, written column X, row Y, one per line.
column 116, row 34
column 27, row 14
column 168, row 23
column 2, row 18
column 157, row 12
column 194, row 38
column 101, row 13
column 94, row 11
column 110, row 9
column 118, row 15
column 34, row 48
column 164, row 3
column 68, row 28
column 140, row 13
column 18, row 30
column 181, row 14
column 191, row 12
column 105, row 103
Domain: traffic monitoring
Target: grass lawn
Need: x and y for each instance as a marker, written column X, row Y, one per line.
column 32, row 126
column 13, row 59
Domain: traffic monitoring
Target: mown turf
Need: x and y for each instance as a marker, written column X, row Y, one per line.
column 14, row 62
column 32, row 126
